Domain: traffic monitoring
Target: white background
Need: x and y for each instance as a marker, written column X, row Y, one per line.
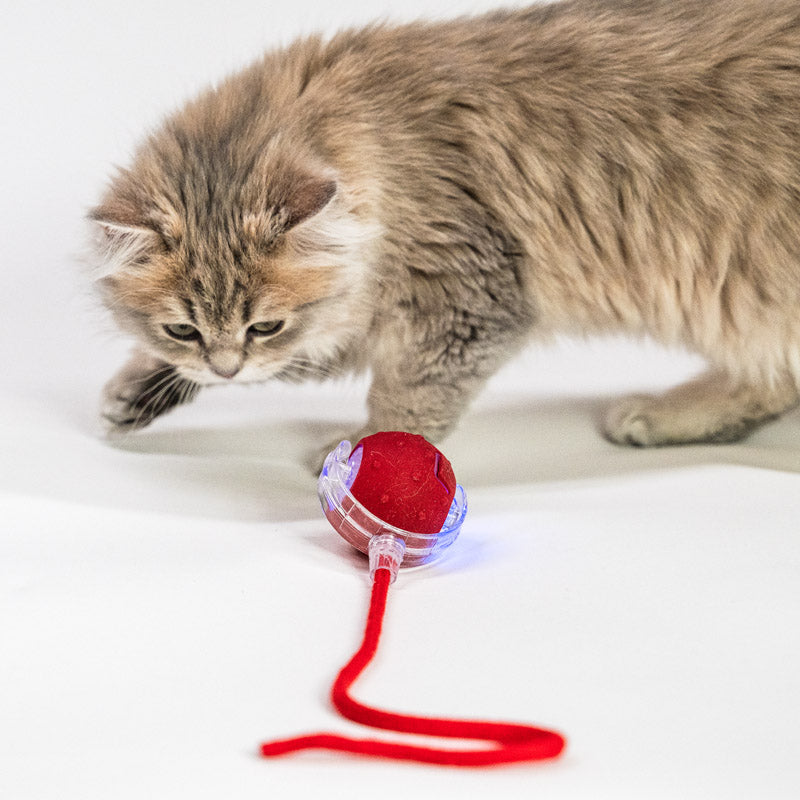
column 169, row 601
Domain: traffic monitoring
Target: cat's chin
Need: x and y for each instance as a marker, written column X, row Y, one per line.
column 206, row 378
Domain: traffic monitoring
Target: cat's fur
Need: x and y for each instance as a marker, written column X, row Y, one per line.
column 420, row 200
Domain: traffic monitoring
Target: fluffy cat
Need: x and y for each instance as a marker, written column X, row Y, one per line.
column 421, row 200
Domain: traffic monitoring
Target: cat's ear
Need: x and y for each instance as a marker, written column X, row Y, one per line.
column 324, row 229
column 306, row 198
column 300, row 198
column 122, row 237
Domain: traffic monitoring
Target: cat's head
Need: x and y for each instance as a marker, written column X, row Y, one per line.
column 231, row 268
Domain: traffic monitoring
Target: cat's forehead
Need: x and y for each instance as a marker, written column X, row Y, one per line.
column 221, row 292
column 236, row 263
column 213, row 294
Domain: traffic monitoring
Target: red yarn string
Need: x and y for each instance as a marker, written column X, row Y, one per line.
column 512, row 742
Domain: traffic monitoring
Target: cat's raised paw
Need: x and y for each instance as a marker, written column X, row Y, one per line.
column 118, row 415
column 132, row 400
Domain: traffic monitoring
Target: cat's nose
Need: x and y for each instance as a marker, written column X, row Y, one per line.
column 225, row 373
column 225, row 363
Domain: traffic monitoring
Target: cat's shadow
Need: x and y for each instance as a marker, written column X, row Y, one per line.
column 559, row 440
column 259, row 471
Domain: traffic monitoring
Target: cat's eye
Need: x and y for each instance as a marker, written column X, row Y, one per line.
column 266, row 328
column 183, row 332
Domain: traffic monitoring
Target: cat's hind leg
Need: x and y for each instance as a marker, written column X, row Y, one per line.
column 142, row 390
column 711, row 408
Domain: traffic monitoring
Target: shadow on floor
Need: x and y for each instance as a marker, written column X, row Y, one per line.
column 516, row 443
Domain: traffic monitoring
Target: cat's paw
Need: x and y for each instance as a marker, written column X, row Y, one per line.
column 118, row 413
column 123, row 407
column 634, row 421
column 132, row 400
column 704, row 411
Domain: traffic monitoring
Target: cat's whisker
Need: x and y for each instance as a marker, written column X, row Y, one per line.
column 158, row 394
column 143, row 410
column 188, row 391
column 306, row 367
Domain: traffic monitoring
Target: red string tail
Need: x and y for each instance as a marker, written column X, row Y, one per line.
column 509, row 742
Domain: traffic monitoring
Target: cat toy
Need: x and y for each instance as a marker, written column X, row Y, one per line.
column 394, row 497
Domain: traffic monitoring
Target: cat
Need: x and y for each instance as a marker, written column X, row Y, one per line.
column 421, row 200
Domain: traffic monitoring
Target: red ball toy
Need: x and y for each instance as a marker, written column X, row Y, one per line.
column 393, row 483
column 404, row 480
column 395, row 497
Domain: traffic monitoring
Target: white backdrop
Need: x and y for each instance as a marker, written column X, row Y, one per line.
column 169, row 601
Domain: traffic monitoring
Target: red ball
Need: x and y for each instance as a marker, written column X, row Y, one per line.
column 404, row 480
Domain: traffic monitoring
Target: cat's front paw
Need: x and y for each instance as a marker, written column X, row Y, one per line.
column 132, row 399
